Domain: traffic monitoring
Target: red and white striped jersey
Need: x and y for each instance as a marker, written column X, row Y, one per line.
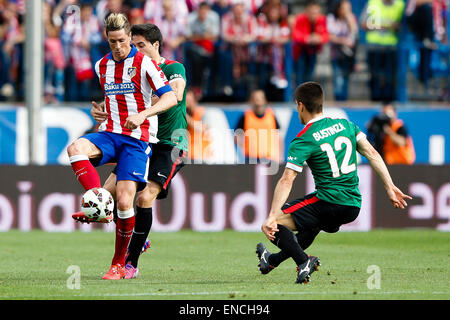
column 128, row 86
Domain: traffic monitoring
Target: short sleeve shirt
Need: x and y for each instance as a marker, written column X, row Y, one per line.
column 328, row 146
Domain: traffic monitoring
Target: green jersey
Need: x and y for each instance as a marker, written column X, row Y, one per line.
column 172, row 124
column 328, row 146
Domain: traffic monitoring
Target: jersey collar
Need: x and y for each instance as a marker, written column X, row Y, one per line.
column 163, row 60
column 316, row 119
column 130, row 55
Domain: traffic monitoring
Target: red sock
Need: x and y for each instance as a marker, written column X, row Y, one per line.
column 124, row 231
column 85, row 172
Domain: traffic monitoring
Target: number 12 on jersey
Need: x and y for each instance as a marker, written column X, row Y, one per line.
column 346, row 167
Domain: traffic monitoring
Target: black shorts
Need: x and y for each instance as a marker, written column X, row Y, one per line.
column 311, row 213
column 163, row 166
column 165, row 162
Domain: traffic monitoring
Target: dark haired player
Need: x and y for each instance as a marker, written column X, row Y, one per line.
column 329, row 148
column 168, row 155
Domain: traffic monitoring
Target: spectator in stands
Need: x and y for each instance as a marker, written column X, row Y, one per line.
column 202, row 31
column 173, row 30
column 260, row 140
column 273, row 34
column 285, row 7
column 238, row 32
column 440, row 19
column 154, row 10
column 343, row 30
column 12, row 36
column 193, row 5
column 136, row 16
column 199, row 139
column 309, row 35
column 81, row 36
column 221, row 7
column 419, row 15
column 381, row 19
column 390, row 137
column 105, row 7
column 254, row 6
column 8, row 18
column 54, row 60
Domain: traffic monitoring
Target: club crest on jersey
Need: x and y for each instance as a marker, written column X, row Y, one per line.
column 131, row 72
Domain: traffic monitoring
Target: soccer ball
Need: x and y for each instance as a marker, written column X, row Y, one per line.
column 98, row 204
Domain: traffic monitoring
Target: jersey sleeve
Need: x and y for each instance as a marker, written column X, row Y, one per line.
column 298, row 152
column 358, row 133
column 155, row 77
column 175, row 71
column 97, row 69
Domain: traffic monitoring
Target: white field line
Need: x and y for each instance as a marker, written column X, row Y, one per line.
column 246, row 293
column 268, row 293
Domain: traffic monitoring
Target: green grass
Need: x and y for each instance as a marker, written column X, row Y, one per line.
column 191, row 265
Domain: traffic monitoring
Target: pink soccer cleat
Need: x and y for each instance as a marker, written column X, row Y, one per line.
column 130, row 271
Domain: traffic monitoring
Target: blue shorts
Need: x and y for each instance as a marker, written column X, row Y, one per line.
column 131, row 155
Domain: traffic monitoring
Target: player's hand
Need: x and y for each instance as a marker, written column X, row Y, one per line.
column 269, row 227
column 397, row 197
column 134, row 121
column 97, row 112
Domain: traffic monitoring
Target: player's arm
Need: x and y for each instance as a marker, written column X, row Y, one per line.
column 397, row 197
column 177, row 86
column 160, row 86
column 281, row 193
column 166, row 101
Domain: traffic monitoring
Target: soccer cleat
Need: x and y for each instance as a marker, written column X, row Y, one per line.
column 130, row 271
column 81, row 217
column 305, row 270
column 115, row 272
column 145, row 247
column 263, row 256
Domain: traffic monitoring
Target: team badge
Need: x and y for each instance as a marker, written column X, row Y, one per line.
column 131, row 72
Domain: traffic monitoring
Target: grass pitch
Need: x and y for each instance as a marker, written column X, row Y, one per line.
column 191, row 265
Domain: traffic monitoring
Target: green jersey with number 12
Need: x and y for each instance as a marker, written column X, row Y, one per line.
column 328, row 146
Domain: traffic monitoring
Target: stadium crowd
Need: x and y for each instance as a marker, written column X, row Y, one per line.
column 229, row 47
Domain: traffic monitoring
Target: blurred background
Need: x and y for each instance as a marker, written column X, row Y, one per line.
column 259, row 44
column 384, row 64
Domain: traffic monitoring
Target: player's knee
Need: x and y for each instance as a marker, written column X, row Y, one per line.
column 72, row 149
column 145, row 200
column 124, row 201
column 75, row 148
column 124, row 204
column 147, row 197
